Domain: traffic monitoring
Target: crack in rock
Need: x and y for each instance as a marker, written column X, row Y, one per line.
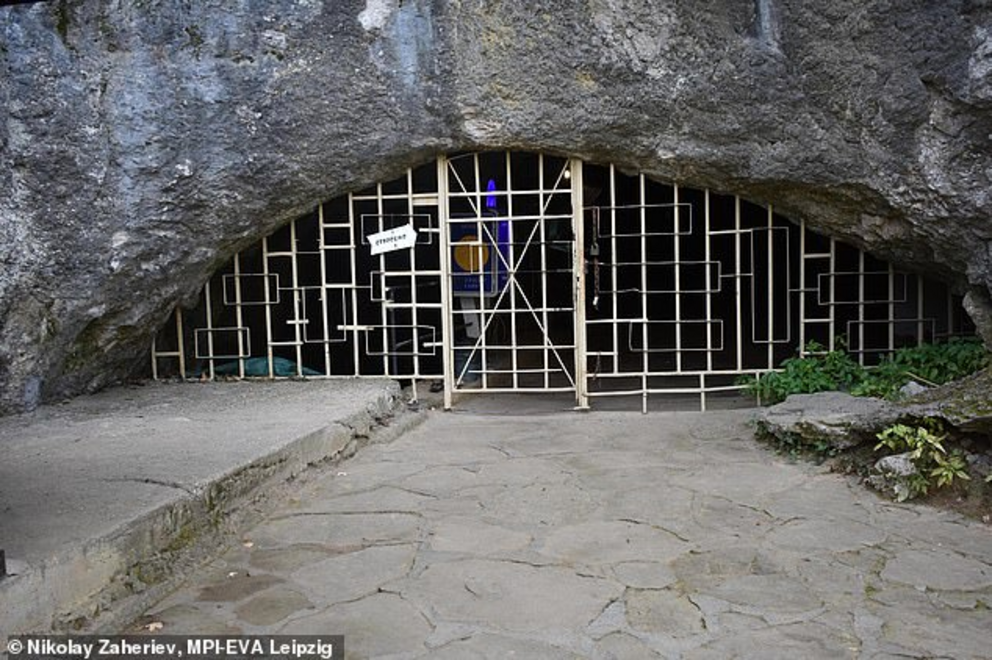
column 612, row 618
column 156, row 482
column 502, row 451
column 655, row 526
column 318, row 514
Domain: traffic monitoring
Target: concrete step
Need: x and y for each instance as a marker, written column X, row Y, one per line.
column 108, row 500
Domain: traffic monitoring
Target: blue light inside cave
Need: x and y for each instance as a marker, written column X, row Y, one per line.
column 491, row 199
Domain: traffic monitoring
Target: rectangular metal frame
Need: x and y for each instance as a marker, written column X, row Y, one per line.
column 574, row 293
column 504, row 365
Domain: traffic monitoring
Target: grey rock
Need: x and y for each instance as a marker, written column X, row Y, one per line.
column 804, row 640
column 537, row 504
column 140, row 147
column 192, row 620
column 618, row 646
column 938, row 570
column 381, row 625
column 644, row 574
column 776, row 598
column 979, row 464
column 912, row 388
column 891, row 474
column 965, row 405
column 818, row 535
column 828, row 419
column 619, row 541
column 663, row 612
column 611, row 620
column 392, row 500
column 841, row 421
column 513, row 596
column 355, row 575
column 238, row 587
column 485, row 646
column 272, row 606
column 899, row 465
column 340, row 531
column 924, row 629
column 769, row 576
column 469, row 535
column 288, row 559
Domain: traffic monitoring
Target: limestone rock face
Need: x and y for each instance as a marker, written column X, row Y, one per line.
column 834, row 420
column 840, row 421
column 143, row 142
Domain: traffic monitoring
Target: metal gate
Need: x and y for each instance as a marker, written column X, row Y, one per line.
column 511, row 273
column 682, row 300
column 522, row 272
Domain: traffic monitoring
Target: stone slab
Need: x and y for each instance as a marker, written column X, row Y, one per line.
column 91, row 487
column 725, row 551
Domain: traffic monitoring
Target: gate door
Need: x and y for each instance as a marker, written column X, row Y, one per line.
column 685, row 291
column 511, row 285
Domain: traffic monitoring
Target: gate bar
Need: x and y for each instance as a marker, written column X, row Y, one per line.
column 324, row 289
column 447, row 339
column 579, row 285
column 645, row 356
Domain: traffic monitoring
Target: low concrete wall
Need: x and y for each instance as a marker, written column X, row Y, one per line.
column 105, row 579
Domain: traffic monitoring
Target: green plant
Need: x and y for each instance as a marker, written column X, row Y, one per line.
column 933, row 364
column 819, row 370
column 918, row 485
column 949, row 467
column 918, row 441
column 816, row 370
column 924, row 446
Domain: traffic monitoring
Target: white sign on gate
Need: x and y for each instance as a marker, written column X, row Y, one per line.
column 393, row 239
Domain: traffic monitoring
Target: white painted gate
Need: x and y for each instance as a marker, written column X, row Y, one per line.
column 522, row 272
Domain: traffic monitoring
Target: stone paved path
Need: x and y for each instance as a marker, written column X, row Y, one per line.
column 607, row 535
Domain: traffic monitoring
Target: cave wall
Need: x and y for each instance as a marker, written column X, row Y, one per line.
column 143, row 142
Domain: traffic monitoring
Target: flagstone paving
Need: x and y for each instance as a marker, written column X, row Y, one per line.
column 607, row 535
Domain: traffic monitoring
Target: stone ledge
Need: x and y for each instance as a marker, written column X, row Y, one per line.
column 834, row 419
column 101, row 582
column 841, row 421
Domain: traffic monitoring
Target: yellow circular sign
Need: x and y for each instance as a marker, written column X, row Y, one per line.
column 469, row 255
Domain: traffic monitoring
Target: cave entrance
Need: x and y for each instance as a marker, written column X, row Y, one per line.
column 524, row 272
